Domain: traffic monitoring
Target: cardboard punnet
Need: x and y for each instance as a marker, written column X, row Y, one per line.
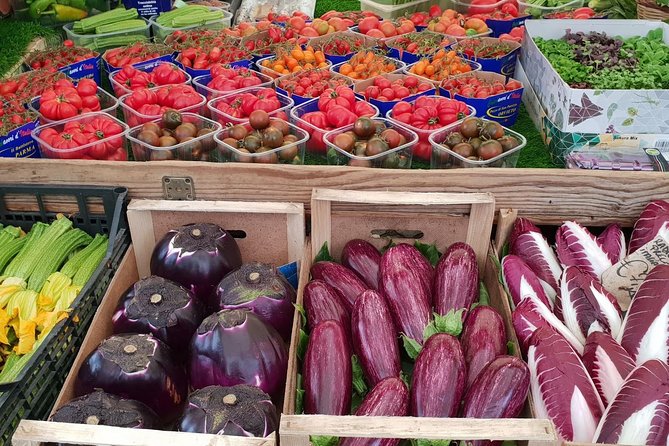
column 587, row 110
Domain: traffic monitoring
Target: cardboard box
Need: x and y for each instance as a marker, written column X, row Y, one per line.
column 561, row 143
column 586, row 110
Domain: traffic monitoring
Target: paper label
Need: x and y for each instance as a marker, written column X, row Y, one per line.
column 624, row 278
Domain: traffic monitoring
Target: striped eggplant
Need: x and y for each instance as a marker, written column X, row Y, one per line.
column 654, row 219
column 388, row 398
column 562, row 391
column 529, row 316
column 483, row 339
column 639, row 414
column 374, row 337
column 403, row 283
column 576, row 246
column 327, row 371
column 645, row 330
column 586, row 306
column 607, row 363
column 322, row 303
column 456, row 279
column 420, row 264
column 362, row 258
column 342, row 279
column 439, row 377
column 499, row 391
column 612, row 241
column 527, row 242
column 522, row 282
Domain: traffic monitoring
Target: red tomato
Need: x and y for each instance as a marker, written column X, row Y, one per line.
column 168, row 74
column 423, row 150
column 401, row 108
column 340, row 116
column 402, row 92
column 57, row 107
column 87, row 87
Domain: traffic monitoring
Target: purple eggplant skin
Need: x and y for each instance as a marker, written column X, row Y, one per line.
column 456, row 280
column 342, row 279
column 374, row 337
column 139, row 367
column 362, row 258
column 197, row 256
column 388, row 398
column 499, row 391
column 160, row 307
column 262, row 289
column 236, row 347
column 104, row 409
column 323, row 303
column 327, row 371
column 403, row 284
column 483, row 339
column 439, row 376
column 417, row 262
column 241, row 410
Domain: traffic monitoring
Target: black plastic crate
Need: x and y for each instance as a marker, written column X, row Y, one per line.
column 94, row 210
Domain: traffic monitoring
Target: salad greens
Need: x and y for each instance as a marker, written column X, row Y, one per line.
column 594, row 60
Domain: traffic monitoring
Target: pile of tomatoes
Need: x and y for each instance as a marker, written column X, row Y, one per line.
column 382, row 29
column 382, row 89
column 483, row 49
column 135, row 53
column 262, row 44
column 146, row 104
column 64, row 100
column 130, row 78
column 425, row 115
column 441, row 66
column 336, row 108
column 56, row 58
column 236, row 108
column 24, row 87
column 311, row 84
column 225, row 79
column 95, row 136
column 452, row 23
column 297, row 59
column 474, row 87
column 341, row 45
column 419, row 43
column 368, row 64
column 202, row 58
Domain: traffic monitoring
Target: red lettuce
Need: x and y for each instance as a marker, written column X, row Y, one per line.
column 576, row 246
column 612, row 241
column 607, row 363
column 654, row 219
column 522, row 282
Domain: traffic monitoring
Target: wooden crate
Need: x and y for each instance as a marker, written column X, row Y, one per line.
column 549, row 195
column 505, row 222
column 444, row 218
column 149, row 220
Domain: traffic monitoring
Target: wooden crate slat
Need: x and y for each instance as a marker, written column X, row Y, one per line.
column 33, row 433
column 550, row 196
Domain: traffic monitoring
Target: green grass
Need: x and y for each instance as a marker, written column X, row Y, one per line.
column 15, row 37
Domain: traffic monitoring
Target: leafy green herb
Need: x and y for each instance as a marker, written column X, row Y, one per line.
column 324, row 254
column 359, row 385
column 322, row 440
column 302, row 344
column 430, row 252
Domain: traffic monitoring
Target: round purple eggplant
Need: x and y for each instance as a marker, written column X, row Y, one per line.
column 322, row 303
column 139, row 367
column 438, row 379
column 483, row 339
column 197, row 256
column 162, row 308
column 241, row 410
column 375, row 338
column 362, row 258
column 236, row 347
column 342, row 279
column 327, row 371
column 389, row 398
column 104, row 409
column 260, row 288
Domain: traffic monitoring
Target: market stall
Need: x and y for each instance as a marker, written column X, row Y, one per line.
column 243, row 224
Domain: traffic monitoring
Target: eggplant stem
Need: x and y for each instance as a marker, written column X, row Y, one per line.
column 230, row 399
column 253, row 277
column 93, row 420
column 155, row 298
column 130, row 349
column 196, row 233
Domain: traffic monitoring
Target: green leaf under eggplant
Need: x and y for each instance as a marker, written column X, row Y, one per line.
column 302, row 344
column 359, row 385
column 411, row 346
column 323, row 440
column 299, row 395
column 324, row 254
column 430, row 252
